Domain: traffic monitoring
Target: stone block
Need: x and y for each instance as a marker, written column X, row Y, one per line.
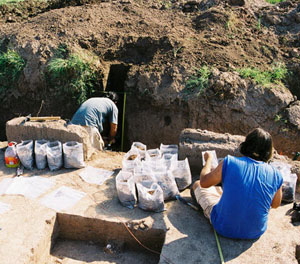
column 18, row 130
column 193, row 141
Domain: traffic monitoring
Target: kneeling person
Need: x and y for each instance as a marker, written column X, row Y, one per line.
column 98, row 115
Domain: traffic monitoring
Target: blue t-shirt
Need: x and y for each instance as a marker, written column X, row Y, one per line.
column 95, row 112
column 249, row 187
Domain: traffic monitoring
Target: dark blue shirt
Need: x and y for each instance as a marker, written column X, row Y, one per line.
column 249, row 187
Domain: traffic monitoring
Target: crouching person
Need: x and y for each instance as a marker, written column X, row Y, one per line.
column 250, row 187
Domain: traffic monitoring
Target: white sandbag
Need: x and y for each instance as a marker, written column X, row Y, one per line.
column 54, row 155
column 25, row 153
column 130, row 160
column 40, row 151
column 289, row 181
column 169, row 149
column 73, row 155
column 158, row 165
column 140, row 147
column 169, row 159
column 150, row 197
column 153, row 154
column 182, row 173
column 126, row 189
column 168, row 184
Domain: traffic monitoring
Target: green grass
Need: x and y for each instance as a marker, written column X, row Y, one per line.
column 266, row 78
column 198, row 82
column 73, row 74
column 2, row 2
column 274, row 1
column 11, row 66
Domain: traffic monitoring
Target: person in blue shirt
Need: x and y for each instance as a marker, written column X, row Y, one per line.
column 100, row 117
column 250, row 187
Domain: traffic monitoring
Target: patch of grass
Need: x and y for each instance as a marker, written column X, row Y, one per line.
column 231, row 23
column 3, row 2
column 11, row 66
column 73, row 74
column 277, row 75
column 198, row 82
column 274, row 1
column 259, row 24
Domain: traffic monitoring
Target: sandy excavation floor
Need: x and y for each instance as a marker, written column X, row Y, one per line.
column 82, row 233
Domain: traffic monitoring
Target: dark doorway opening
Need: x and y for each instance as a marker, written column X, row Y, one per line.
column 115, row 83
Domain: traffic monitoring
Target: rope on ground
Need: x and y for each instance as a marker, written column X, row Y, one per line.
column 124, row 223
column 219, row 247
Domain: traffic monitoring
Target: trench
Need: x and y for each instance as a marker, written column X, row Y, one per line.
column 92, row 239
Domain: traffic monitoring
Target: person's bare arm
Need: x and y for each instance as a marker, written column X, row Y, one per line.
column 277, row 198
column 210, row 177
column 113, row 131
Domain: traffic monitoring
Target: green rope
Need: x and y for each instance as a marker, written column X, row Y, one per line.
column 123, row 122
column 219, row 247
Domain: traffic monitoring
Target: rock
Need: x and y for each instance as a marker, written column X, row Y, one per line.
column 272, row 19
column 294, row 114
column 294, row 52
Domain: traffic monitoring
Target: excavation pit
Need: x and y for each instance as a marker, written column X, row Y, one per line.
column 32, row 233
column 92, row 239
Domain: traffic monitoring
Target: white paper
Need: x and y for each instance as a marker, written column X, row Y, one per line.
column 4, row 207
column 62, row 198
column 214, row 163
column 95, row 175
column 30, row 187
column 4, row 184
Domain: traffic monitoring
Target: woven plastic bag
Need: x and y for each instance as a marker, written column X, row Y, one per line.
column 182, row 173
column 141, row 148
column 126, row 189
column 54, row 155
column 40, row 151
column 73, row 155
column 25, row 153
column 289, row 181
column 150, row 197
column 130, row 160
column 152, row 154
column 169, row 149
column 168, row 184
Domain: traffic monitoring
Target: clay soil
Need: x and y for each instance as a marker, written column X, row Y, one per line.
column 150, row 49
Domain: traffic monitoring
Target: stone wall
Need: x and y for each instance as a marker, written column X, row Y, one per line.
column 18, row 130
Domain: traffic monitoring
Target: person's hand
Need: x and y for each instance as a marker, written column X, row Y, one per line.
column 207, row 156
column 112, row 141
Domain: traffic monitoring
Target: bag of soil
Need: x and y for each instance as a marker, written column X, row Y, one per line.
column 25, row 153
column 131, row 160
column 169, row 160
column 40, row 151
column 169, row 149
column 140, row 147
column 150, row 197
column 289, row 188
column 126, row 189
column 73, row 155
column 182, row 174
column 289, row 181
column 153, row 154
column 168, row 184
column 54, row 155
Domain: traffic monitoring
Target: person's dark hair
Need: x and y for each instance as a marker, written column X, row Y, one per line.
column 258, row 145
column 112, row 96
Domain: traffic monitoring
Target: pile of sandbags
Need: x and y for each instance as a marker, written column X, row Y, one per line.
column 53, row 153
column 150, row 177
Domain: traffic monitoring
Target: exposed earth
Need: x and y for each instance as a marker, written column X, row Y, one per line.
column 150, row 50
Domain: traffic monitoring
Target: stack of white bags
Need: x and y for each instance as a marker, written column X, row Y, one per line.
column 150, row 177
